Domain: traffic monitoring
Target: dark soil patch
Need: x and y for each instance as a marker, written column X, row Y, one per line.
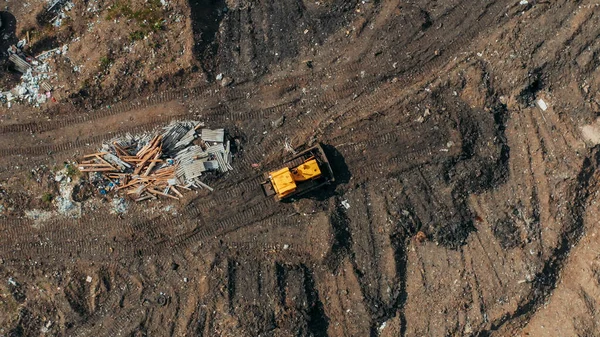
column 206, row 17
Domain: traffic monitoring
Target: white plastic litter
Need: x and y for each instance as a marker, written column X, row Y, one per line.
column 542, row 104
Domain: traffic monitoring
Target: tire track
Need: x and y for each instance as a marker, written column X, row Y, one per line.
column 208, row 91
column 66, row 239
column 83, row 143
column 108, row 309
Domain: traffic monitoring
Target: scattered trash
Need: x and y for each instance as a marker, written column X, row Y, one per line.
column 160, row 165
column 38, row 215
column 88, row 279
column 34, row 87
column 162, row 300
column 540, row 102
column 12, row 282
column 119, row 205
column 60, row 7
column 287, row 146
column 346, row 204
column 524, row 2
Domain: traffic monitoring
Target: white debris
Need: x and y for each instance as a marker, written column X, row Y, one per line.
column 540, row 102
column 88, row 279
column 34, row 87
column 119, row 206
column 524, row 2
column 38, row 216
column 346, row 204
column 60, row 7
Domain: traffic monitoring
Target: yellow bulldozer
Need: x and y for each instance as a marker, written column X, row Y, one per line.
column 305, row 172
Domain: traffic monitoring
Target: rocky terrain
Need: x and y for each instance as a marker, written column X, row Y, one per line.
column 463, row 136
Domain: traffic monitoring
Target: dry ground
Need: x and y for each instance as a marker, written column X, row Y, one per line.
column 428, row 112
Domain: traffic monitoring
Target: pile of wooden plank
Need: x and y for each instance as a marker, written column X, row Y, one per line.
column 163, row 165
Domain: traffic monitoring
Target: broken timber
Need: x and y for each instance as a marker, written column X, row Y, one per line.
column 162, row 165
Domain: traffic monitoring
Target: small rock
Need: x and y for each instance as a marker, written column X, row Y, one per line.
column 346, row 204
column 226, row 81
column 586, row 89
column 278, row 122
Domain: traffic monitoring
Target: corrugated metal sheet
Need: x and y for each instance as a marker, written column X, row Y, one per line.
column 211, row 165
column 46, row 86
column 209, row 135
column 193, row 169
column 20, row 64
column 216, row 149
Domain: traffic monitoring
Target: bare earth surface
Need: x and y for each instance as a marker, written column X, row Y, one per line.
column 428, row 112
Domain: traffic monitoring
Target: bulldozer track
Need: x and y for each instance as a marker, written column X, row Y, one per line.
column 66, row 239
column 108, row 309
column 62, row 239
column 212, row 90
column 267, row 207
column 81, row 143
column 228, row 111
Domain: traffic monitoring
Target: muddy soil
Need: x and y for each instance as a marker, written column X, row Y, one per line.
column 463, row 135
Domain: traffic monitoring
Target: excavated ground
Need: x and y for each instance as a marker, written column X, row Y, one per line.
column 428, row 113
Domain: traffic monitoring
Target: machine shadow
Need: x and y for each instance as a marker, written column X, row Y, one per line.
column 341, row 175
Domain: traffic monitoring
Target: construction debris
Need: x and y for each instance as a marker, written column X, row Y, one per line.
column 60, row 7
column 34, row 87
column 165, row 164
column 540, row 103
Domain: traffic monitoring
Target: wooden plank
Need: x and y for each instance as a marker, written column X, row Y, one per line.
column 95, row 165
column 95, row 154
column 153, row 191
column 140, row 165
column 127, row 185
column 107, row 163
column 152, row 164
column 176, row 191
column 98, row 170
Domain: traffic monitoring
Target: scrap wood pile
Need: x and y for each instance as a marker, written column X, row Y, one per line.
column 161, row 165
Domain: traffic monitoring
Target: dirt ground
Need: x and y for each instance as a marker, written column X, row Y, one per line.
column 463, row 136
